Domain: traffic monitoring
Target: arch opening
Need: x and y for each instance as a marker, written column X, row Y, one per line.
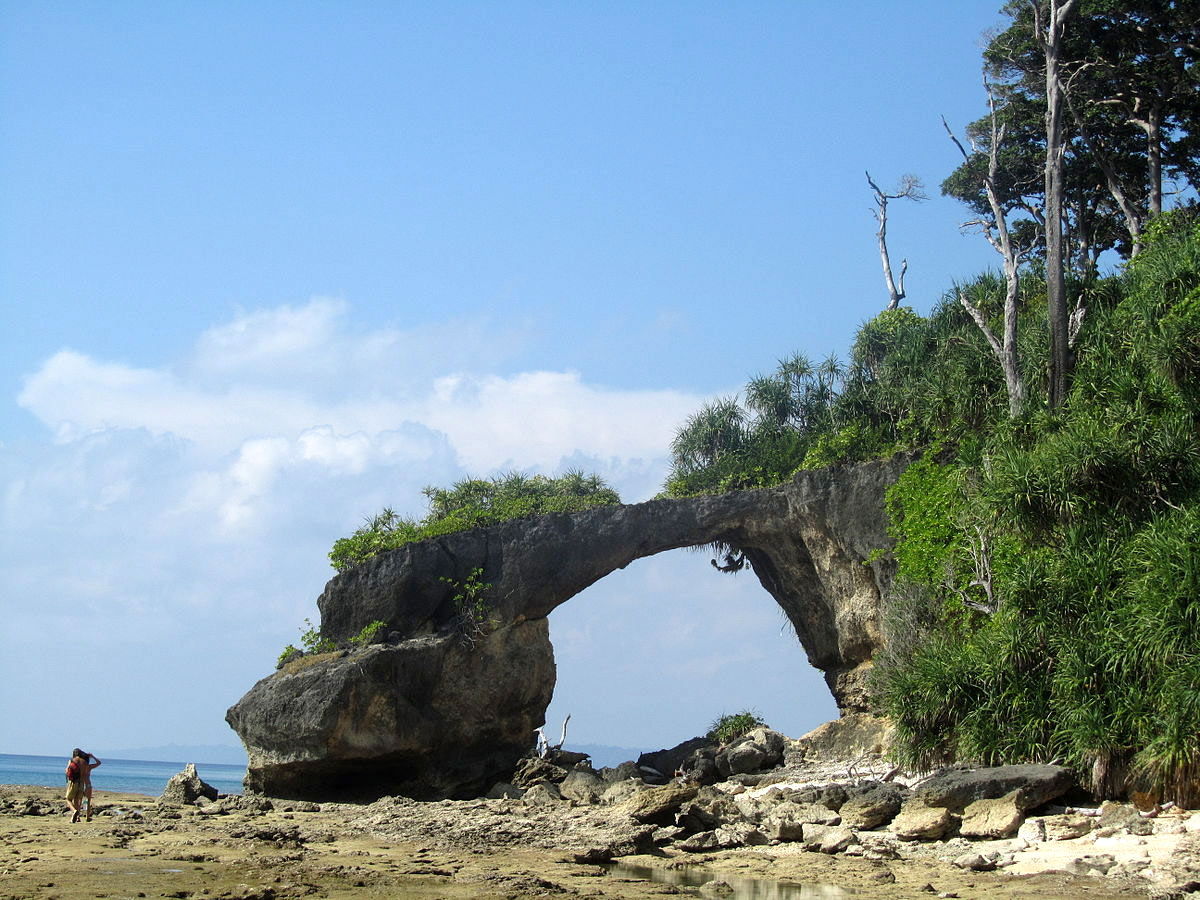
column 650, row 655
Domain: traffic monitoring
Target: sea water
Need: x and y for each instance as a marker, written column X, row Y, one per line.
column 130, row 776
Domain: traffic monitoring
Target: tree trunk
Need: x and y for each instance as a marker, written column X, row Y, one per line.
column 1154, row 158
column 1056, row 283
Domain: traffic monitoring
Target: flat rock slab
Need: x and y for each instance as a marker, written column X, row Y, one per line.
column 1033, row 785
column 918, row 822
column 996, row 818
column 659, row 804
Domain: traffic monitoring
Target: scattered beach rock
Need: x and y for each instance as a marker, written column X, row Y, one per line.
column 992, row 818
column 976, row 862
column 187, row 787
column 917, row 821
column 1066, row 827
column 1034, row 786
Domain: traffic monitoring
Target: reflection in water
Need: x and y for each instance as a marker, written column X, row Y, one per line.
column 742, row 888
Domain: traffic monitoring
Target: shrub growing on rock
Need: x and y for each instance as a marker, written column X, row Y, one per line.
column 733, row 725
column 473, row 503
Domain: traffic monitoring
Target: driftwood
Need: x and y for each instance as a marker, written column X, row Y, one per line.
column 543, row 747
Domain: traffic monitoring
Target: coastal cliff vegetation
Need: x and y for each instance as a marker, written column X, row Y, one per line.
column 471, row 503
column 1047, row 597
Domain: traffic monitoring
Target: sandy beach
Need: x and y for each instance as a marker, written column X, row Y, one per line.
column 248, row 848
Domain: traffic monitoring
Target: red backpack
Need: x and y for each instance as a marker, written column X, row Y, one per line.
column 73, row 770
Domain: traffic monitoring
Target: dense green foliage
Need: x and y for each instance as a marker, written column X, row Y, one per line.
column 733, row 725
column 911, row 380
column 1052, row 574
column 1047, row 602
column 472, row 503
column 728, row 446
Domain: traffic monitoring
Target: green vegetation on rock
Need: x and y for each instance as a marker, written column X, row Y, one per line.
column 473, row 503
column 1047, row 597
column 733, row 725
column 1053, row 572
column 472, row 606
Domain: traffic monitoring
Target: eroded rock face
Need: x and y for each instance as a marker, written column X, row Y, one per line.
column 429, row 716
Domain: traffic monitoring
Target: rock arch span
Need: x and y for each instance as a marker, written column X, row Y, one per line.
column 429, row 715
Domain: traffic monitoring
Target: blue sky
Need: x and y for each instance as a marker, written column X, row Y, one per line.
column 265, row 268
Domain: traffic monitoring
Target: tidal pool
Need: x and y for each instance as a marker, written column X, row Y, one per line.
column 741, row 888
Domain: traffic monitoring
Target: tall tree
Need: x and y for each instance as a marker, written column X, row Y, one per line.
column 1129, row 73
column 1049, row 25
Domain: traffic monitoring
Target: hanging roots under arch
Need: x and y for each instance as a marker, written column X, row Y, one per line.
column 735, row 561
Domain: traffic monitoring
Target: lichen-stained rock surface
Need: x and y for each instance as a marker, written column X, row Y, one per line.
column 429, row 715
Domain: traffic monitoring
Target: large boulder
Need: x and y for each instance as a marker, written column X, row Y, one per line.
column 429, row 717
column 872, row 805
column 919, row 822
column 760, row 748
column 993, row 818
column 1034, row 785
column 853, row 736
column 658, row 804
column 583, row 785
column 187, row 787
column 669, row 760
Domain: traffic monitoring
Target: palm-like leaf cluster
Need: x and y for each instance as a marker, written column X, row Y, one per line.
column 1093, row 650
column 729, row 444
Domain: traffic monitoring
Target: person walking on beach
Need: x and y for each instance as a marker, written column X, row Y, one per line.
column 74, row 796
column 79, row 783
column 89, row 762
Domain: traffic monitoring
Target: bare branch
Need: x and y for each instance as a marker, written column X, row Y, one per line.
column 995, row 230
column 980, row 321
column 957, row 142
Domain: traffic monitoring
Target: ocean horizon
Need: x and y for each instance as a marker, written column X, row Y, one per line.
column 128, row 776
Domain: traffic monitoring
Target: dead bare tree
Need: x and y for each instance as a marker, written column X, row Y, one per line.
column 995, row 229
column 910, row 189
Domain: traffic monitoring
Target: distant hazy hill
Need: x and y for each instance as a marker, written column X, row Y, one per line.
column 221, row 754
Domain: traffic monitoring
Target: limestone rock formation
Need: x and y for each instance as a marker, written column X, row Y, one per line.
column 187, row 787
column 429, row 715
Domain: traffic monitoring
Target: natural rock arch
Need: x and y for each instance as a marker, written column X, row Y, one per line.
column 429, row 715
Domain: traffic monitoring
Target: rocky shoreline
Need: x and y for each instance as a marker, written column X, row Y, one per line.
column 561, row 828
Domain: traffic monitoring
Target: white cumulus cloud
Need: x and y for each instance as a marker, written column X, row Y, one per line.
column 181, row 513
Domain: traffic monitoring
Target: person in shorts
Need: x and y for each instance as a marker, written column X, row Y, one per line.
column 76, row 789
column 79, row 783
